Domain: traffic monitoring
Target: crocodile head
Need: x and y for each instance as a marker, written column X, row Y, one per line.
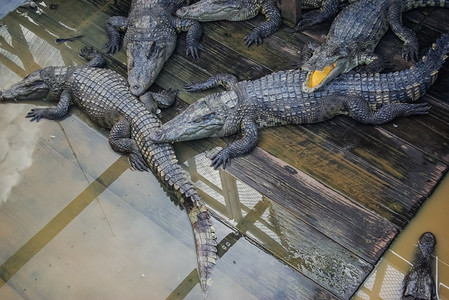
column 145, row 61
column 427, row 244
column 211, row 116
column 32, row 87
column 214, row 10
column 327, row 62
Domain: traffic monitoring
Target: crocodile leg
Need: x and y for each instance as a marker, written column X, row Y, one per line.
column 306, row 53
column 112, row 27
column 358, row 109
column 53, row 113
column 328, row 10
column 153, row 100
column 194, row 32
column 270, row 26
column 410, row 49
column 240, row 147
column 94, row 59
column 164, row 98
column 371, row 63
column 223, row 79
column 120, row 141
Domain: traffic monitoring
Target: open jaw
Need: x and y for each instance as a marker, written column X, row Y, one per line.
column 316, row 79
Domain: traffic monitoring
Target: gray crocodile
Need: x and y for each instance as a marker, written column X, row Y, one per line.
column 354, row 34
column 278, row 99
column 103, row 95
column 419, row 283
column 236, row 10
column 150, row 39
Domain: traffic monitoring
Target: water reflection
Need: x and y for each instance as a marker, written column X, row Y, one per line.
column 274, row 229
column 386, row 280
column 77, row 222
column 17, row 144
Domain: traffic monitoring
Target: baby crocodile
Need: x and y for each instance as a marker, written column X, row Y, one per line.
column 103, row 95
column 150, row 39
column 278, row 99
column 418, row 283
column 354, row 34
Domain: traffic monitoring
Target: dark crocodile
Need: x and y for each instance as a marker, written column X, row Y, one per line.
column 419, row 283
column 323, row 10
column 150, row 39
column 236, row 10
column 354, row 34
column 104, row 97
column 278, row 99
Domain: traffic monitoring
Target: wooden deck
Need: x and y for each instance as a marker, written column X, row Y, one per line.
column 326, row 199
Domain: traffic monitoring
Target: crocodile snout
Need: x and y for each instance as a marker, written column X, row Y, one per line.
column 1, row 96
column 137, row 89
column 181, row 12
column 157, row 136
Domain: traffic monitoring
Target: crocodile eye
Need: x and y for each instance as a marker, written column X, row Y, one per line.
column 204, row 118
column 149, row 50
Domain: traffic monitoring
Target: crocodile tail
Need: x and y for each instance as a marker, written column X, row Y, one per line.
column 412, row 4
column 205, row 241
column 163, row 163
column 431, row 63
column 203, row 231
column 419, row 78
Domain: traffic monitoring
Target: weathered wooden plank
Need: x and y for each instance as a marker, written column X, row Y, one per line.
column 385, row 151
column 305, row 243
column 309, row 199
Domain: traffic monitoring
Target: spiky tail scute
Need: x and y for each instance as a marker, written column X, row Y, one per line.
column 412, row 4
column 162, row 161
column 434, row 59
column 199, row 216
column 405, row 86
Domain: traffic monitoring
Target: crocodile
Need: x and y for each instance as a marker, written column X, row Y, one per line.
column 236, row 10
column 103, row 95
column 419, row 283
column 278, row 99
column 323, row 10
column 150, row 39
column 353, row 36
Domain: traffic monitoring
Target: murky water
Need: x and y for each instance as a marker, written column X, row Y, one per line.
column 386, row 280
column 77, row 223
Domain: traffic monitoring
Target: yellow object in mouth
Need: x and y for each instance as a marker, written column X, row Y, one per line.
column 318, row 76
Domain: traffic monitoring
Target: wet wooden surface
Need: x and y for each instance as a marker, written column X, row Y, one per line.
column 314, row 207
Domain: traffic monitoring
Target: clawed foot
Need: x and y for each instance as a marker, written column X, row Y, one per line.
column 165, row 98
column 221, row 158
column 112, row 47
column 137, row 162
column 416, row 109
column 194, row 49
column 307, row 20
column 36, row 114
column 88, row 53
column 253, row 38
column 410, row 52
